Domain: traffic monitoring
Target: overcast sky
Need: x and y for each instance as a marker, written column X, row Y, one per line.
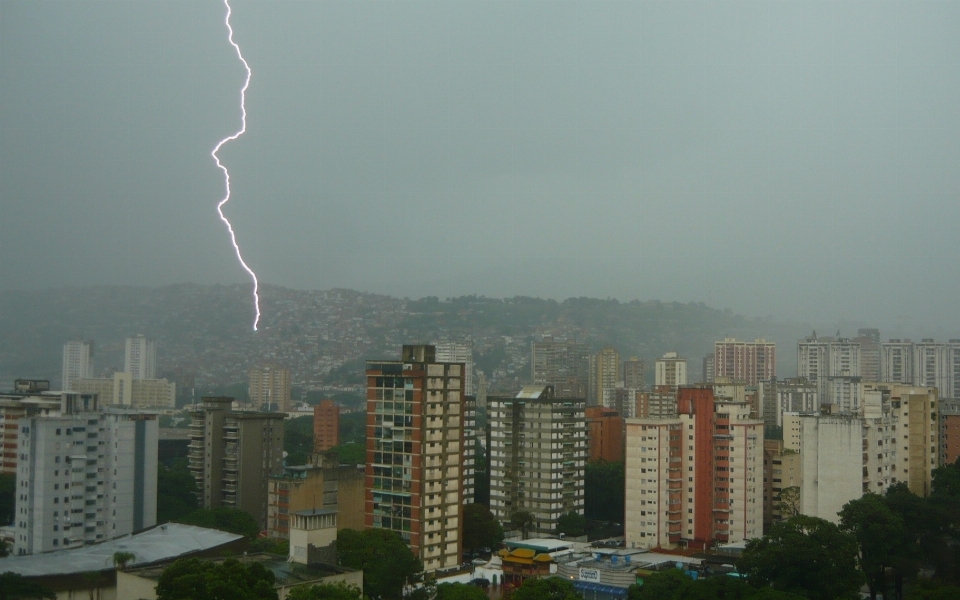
column 796, row 159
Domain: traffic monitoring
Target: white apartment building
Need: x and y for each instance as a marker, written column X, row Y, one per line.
column 29, row 402
column 833, row 366
column 694, row 480
column 779, row 396
column 538, row 454
column 895, row 438
column 124, row 390
column 670, row 370
column 84, row 476
column 77, row 362
column 458, row 352
column 140, row 357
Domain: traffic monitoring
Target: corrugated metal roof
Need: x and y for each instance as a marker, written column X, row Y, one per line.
column 160, row 543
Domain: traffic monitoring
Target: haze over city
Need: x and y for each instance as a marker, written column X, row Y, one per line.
column 787, row 159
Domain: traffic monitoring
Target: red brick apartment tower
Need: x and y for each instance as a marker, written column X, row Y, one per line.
column 750, row 362
column 326, row 425
column 415, row 453
column 604, row 434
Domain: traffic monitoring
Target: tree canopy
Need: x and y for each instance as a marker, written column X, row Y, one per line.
column 881, row 536
column 195, row 579
column 604, row 491
column 387, row 563
column 459, row 591
column 807, row 556
column 480, row 527
column 14, row 586
column 326, row 591
column 572, row 524
column 547, row 588
column 176, row 491
column 225, row 519
column 522, row 520
column 674, row 584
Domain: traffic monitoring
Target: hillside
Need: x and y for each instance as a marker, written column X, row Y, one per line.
column 204, row 332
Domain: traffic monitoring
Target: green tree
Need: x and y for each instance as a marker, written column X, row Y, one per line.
column 931, row 590
column 326, row 591
column 298, row 440
column 459, row 591
column 120, row 559
column 387, row 563
column 546, row 588
column 572, row 524
column 806, row 556
column 14, row 586
column 270, row 546
column 4, row 548
column 480, row 527
column 604, row 491
column 715, row 588
column 946, row 480
column 176, row 491
column 225, row 519
column 880, row 534
column 195, row 579
column 350, row 454
column 659, row 586
column 788, row 503
column 523, row 521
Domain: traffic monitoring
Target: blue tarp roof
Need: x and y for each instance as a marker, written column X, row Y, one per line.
column 612, row 590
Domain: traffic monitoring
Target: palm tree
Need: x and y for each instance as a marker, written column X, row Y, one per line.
column 120, row 559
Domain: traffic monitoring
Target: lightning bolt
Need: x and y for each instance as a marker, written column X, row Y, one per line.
column 226, row 174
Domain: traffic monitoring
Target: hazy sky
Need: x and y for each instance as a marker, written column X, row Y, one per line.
column 799, row 159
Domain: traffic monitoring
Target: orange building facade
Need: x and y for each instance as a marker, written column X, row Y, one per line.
column 604, row 434
column 326, row 425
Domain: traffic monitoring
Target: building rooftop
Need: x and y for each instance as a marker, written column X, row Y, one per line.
column 540, row 544
column 160, row 543
column 287, row 573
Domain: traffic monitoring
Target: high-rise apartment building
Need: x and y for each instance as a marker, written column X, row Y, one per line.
column 671, row 370
column 232, row 454
column 84, row 476
column 77, row 362
column 869, row 340
column 458, row 352
column 832, row 364
column 926, row 363
column 415, row 453
column 750, row 362
column 949, row 431
column 140, row 357
column 326, row 425
column 563, row 364
column 779, row 396
column 606, row 374
column 708, row 372
column 270, row 387
column 843, row 456
column 538, row 452
column 896, row 361
column 30, row 399
column 659, row 403
column 469, row 449
column 633, row 374
column 695, row 480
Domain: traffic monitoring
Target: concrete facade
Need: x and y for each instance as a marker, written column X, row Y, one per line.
column 84, row 476
column 232, row 454
column 270, row 386
column 695, row 480
column 670, row 370
column 538, row 452
column 140, row 357
column 749, row 362
column 337, row 488
column 326, row 425
column 604, row 434
column 77, row 362
column 415, row 453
